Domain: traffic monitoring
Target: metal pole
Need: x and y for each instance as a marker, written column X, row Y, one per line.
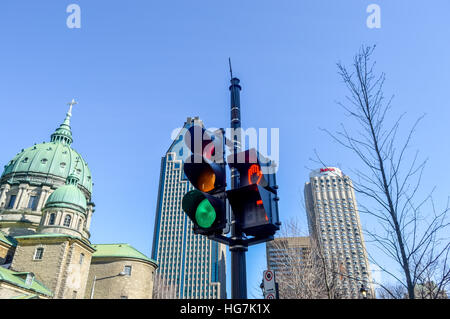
column 93, row 287
column 237, row 248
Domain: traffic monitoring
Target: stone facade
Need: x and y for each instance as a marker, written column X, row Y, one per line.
column 16, row 217
column 77, row 227
column 61, row 268
column 111, row 284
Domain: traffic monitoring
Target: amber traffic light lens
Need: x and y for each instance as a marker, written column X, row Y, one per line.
column 206, row 180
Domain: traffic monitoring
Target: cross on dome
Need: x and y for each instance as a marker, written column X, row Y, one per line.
column 72, row 103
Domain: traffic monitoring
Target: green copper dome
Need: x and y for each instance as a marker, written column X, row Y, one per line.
column 51, row 158
column 68, row 196
column 55, row 158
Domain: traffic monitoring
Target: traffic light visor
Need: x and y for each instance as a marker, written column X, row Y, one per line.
column 204, row 175
column 200, row 141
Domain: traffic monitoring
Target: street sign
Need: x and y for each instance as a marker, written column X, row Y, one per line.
column 269, row 282
column 270, row 296
column 268, row 275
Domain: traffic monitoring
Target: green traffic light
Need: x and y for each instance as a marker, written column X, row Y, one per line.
column 205, row 214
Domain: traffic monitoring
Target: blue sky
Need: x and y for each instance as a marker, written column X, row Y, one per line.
column 139, row 68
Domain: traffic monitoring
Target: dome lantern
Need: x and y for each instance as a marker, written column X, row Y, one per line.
column 63, row 134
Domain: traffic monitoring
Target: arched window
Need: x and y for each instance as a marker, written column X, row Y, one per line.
column 67, row 220
column 39, row 252
column 51, row 220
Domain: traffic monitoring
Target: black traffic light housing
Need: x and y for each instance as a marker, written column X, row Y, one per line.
column 207, row 212
column 255, row 202
column 205, row 169
column 253, row 168
column 204, row 174
column 255, row 209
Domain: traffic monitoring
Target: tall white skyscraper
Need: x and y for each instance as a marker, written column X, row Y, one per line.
column 333, row 221
column 191, row 263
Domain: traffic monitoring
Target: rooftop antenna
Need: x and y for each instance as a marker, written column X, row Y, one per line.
column 231, row 71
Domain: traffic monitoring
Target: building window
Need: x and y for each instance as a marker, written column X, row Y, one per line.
column 127, row 270
column 38, row 253
column 123, row 297
column 12, row 200
column 51, row 220
column 81, row 258
column 32, row 203
column 67, row 220
column 29, row 279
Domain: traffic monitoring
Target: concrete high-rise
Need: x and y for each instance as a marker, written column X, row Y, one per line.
column 192, row 264
column 282, row 250
column 333, row 221
column 288, row 257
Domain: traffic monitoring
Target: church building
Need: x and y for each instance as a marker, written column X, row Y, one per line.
column 46, row 210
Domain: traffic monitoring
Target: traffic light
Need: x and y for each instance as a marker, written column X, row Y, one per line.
column 253, row 168
column 255, row 202
column 205, row 169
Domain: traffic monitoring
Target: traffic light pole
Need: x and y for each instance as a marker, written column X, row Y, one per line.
column 252, row 202
column 238, row 248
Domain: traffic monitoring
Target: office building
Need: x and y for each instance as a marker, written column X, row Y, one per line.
column 192, row 264
column 333, row 221
column 283, row 252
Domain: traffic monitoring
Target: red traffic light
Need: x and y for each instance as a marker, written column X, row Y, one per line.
column 255, row 209
column 204, row 143
column 253, row 169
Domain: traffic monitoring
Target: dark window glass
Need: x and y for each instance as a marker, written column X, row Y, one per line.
column 67, row 220
column 32, row 203
column 8, row 259
column 51, row 220
column 12, row 200
column 39, row 253
column 127, row 270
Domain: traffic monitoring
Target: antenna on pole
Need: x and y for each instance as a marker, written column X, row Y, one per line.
column 231, row 71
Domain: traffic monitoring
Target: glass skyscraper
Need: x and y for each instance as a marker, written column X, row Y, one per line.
column 192, row 264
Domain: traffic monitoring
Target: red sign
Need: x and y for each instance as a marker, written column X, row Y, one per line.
column 268, row 275
column 326, row 170
column 254, row 170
